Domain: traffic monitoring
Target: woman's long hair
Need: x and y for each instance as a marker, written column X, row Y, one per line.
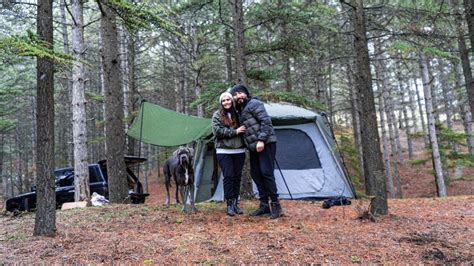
column 226, row 120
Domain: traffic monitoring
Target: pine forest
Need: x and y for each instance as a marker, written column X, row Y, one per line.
column 393, row 78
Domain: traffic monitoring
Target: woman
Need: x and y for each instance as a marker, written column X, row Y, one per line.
column 230, row 150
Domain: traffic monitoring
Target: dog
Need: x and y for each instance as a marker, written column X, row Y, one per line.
column 180, row 168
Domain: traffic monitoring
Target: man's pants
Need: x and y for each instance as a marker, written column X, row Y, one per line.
column 231, row 166
column 262, row 170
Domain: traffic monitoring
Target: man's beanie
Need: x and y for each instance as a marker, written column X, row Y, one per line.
column 240, row 88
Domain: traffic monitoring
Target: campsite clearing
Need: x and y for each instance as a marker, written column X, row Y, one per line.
column 307, row 162
column 423, row 230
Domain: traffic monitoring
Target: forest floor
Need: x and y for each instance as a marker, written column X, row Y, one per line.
column 417, row 230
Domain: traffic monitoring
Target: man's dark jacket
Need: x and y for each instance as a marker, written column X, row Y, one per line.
column 258, row 123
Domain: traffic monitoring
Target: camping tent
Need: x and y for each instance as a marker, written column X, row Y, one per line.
column 306, row 155
column 306, row 151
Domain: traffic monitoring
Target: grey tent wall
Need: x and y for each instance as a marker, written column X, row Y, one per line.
column 329, row 181
column 204, row 167
column 323, row 124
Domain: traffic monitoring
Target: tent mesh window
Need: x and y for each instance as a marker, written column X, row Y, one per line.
column 295, row 150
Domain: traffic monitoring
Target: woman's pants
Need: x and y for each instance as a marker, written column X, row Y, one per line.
column 231, row 166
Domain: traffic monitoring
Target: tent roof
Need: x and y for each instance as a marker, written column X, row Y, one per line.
column 287, row 114
column 288, row 111
column 160, row 126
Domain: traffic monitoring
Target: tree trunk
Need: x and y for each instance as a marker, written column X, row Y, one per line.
column 447, row 101
column 20, row 163
column 79, row 116
column 125, row 70
column 408, row 132
column 392, row 128
column 434, row 94
column 183, row 90
column 134, row 102
column 45, row 218
column 386, row 155
column 63, row 111
column 319, row 88
column 396, row 134
column 146, row 166
column 97, row 109
column 11, row 192
column 412, row 106
column 469, row 13
column 446, row 92
column 286, row 59
column 127, row 64
column 404, row 104
column 158, row 164
column 465, row 109
column 177, row 94
column 466, row 66
column 114, row 127
column 467, row 124
column 437, row 166
column 200, row 107
column 355, row 110
column 228, row 56
column 373, row 164
column 422, row 116
column 436, row 110
column 238, row 23
column 400, row 119
column 195, row 55
column 388, row 101
column 4, row 177
column 329, row 96
column 287, row 72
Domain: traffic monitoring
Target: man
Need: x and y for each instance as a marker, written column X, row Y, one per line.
column 261, row 140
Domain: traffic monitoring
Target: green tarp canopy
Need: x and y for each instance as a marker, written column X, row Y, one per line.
column 160, row 126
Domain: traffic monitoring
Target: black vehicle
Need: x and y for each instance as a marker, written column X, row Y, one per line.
column 64, row 179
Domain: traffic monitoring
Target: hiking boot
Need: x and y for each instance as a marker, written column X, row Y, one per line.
column 230, row 207
column 237, row 210
column 276, row 210
column 262, row 209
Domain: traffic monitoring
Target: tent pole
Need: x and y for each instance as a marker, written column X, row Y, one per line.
column 140, row 144
column 283, row 177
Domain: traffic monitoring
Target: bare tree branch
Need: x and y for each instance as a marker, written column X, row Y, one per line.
column 70, row 13
column 220, row 17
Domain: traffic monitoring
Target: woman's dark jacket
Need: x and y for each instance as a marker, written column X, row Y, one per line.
column 258, row 123
column 225, row 137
